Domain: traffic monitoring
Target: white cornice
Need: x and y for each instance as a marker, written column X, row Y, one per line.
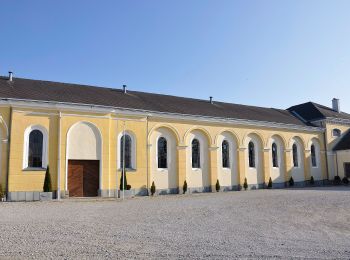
column 89, row 108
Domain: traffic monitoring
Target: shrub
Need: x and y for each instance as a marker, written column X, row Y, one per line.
column 128, row 187
column 125, row 182
column 337, row 180
column 47, row 182
column 217, row 186
column 312, row 181
column 245, row 184
column 345, row 180
column 2, row 193
column 184, row 188
column 153, row 188
column 269, row 185
column 291, row 182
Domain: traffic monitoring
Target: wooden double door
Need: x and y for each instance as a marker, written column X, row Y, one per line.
column 83, row 178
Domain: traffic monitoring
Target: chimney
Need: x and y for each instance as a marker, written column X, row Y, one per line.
column 211, row 100
column 336, row 105
column 10, row 75
column 124, row 89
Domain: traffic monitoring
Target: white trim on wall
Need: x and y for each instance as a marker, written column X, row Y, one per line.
column 45, row 149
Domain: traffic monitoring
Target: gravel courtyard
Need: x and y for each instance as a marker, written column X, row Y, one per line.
column 299, row 223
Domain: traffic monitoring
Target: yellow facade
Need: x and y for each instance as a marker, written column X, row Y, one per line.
column 110, row 125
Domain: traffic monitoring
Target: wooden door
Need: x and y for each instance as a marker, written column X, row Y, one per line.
column 83, row 178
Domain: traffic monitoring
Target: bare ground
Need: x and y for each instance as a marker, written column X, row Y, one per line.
column 281, row 224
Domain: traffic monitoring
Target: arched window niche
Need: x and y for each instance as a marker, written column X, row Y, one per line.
column 313, row 156
column 35, row 148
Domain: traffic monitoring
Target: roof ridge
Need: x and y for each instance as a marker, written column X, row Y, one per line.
column 143, row 92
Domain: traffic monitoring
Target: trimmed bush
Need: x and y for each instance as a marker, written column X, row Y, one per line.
column 125, row 182
column 269, row 185
column 337, row 180
column 184, row 188
column 312, row 181
column 217, row 186
column 245, row 184
column 345, row 180
column 128, row 187
column 47, row 182
column 2, row 193
column 291, row 182
column 153, row 188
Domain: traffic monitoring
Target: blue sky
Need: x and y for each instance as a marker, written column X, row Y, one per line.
column 265, row 53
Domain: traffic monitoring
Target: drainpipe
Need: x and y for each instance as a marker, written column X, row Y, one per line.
column 8, row 153
column 326, row 148
column 147, row 171
column 59, row 158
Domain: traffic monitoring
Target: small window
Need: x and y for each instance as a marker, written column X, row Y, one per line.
column 251, row 151
column 125, row 145
column 225, row 154
column 347, row 169
column 162, row 153
column 295, row 156
column 274, row 155
column 35, row 151
column 196, row 161
column 336, row 133
column 313, row 156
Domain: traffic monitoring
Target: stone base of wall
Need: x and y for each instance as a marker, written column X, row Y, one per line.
column 29, row 196
column 37, row 196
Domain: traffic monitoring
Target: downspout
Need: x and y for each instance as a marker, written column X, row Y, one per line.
column 8, row 153
column 147, row 170
column 326, row 146
column 59, row 158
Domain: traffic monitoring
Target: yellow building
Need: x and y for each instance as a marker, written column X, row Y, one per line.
column 88, row 134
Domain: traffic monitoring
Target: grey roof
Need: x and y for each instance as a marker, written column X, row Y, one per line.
column 311, row 111
column 40, row 90
column 344, row 143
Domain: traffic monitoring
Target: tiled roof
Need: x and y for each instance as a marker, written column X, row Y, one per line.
column 28, row 89
column 344, row 143
column 311, row 111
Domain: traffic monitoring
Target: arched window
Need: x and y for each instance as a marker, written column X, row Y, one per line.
column 196, row 160
column 251, row 148
column 295, row 156
column 162, row 153
column 225, row 154
column 125, row 145
column 336, row 133
column 35, row 149
column 313, row 156
column 274, row 155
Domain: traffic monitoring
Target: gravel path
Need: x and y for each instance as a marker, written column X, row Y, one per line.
column 300, row 223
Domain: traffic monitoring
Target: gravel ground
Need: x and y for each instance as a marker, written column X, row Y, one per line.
column 298, row 223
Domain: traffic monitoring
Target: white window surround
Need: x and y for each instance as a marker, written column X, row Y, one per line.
column 230, row 152
column 201, row 152
column 26, row 147
column 168, row 156
column 133, row 150
column 278, row 154
column 256, row 155
column 317, row 155
column 298, row 155
column 338, row 132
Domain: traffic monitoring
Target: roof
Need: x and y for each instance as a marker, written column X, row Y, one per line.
column 311, row 111
column 344, row 143
column 28, row 89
